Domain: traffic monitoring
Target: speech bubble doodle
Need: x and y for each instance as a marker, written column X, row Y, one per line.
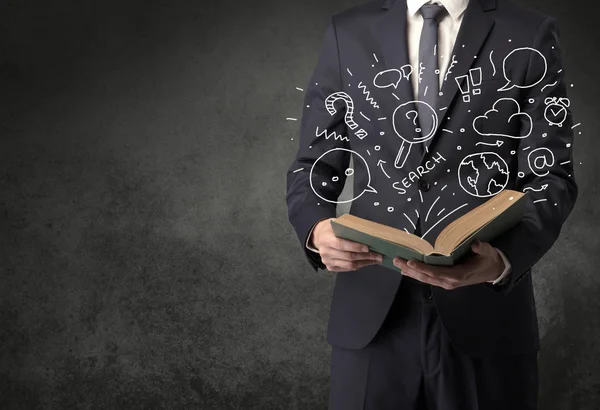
column 388, row 78
column 504, row 111
column 523, row 54
column 316, row 178
column 392, row 77
column 540, row 160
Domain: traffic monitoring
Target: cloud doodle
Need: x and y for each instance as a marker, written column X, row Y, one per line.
column 504, row 110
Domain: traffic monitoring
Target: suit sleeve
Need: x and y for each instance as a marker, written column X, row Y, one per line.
column 305, row 207
column 552, row 145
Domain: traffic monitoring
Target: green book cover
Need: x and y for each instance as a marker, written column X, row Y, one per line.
column 503, row 222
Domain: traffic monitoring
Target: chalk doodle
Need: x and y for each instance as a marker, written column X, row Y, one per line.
column 475, row 78
column 333, row 135
column 540, row 160
column 506, row 110
column 402, row 113
column 349, row 117
column 392, row 77
column 556, row 110
column 367, row 95
column 483, row 174
column 315, row 177
column 523, row 54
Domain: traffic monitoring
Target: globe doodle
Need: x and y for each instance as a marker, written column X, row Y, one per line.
column 483, row 174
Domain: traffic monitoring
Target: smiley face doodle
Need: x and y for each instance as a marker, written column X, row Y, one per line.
column 556, row 110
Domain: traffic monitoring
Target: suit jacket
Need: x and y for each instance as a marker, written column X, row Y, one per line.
column 486, row 140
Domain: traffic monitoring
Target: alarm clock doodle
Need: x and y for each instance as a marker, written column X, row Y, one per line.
column 556, row 112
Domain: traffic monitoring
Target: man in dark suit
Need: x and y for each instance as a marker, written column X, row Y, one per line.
column 440, row 105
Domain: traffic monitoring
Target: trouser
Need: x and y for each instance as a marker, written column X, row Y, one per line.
column 411, row 364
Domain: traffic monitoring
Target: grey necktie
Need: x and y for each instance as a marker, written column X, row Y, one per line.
column 428, row 64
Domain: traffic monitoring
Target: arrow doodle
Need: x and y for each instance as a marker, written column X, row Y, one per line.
column 498, row 143
column 536, row 190
column 380, row 165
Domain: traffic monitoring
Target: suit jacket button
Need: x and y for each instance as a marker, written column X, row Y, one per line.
column 428, row 294
column 423, row 185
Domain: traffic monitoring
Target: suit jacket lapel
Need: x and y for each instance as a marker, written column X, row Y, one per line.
column 391, row 35
column 473, row 32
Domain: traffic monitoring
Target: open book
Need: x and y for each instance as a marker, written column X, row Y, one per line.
column 485, row 222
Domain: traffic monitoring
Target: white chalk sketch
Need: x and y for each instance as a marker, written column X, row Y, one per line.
column 392, row 77
column 317, row 179
column 367, row 95
column 544, row 186
column 493, row 65
column 421, row 70
column 549, row 85
column 476, row 75
column 349, row 117
column 504, row 111
column 333, row 135
column 483, row 174
column 556, row 110
column 540, row 161
column 463, row 86
column 450, row 67
column 498, row 143
column 533, row 56
column 402, row 113
column 380, row 165
column 431, row 207
column 444, row 217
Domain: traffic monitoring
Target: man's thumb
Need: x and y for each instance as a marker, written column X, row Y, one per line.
column 480, row 247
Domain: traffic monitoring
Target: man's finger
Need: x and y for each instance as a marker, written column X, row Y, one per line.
column 348, row 246
column 340, row 265
column 333, row 253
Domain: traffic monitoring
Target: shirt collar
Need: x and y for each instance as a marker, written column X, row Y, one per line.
column 454, row 7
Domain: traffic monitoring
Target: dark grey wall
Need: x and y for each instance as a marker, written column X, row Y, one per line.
column 146, row 260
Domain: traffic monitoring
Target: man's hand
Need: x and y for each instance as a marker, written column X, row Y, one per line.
column 484, row 265
column 341, row 255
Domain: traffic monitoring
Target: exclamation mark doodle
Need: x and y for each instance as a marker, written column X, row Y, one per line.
column 476, row 79
column 463, row 86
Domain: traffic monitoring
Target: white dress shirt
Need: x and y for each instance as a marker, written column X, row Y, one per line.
column 447, row 33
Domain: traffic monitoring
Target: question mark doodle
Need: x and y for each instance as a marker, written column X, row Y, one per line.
column 417, row 129
column 349, row 117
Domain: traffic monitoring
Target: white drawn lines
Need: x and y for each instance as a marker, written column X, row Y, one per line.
column 411, row 222
column 447, row 215
column 492, row 61
column 431, row 207
column 549, row 85
column 298, row 170
column 364, row 116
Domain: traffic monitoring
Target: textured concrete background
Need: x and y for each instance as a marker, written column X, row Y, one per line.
column 146, row 260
